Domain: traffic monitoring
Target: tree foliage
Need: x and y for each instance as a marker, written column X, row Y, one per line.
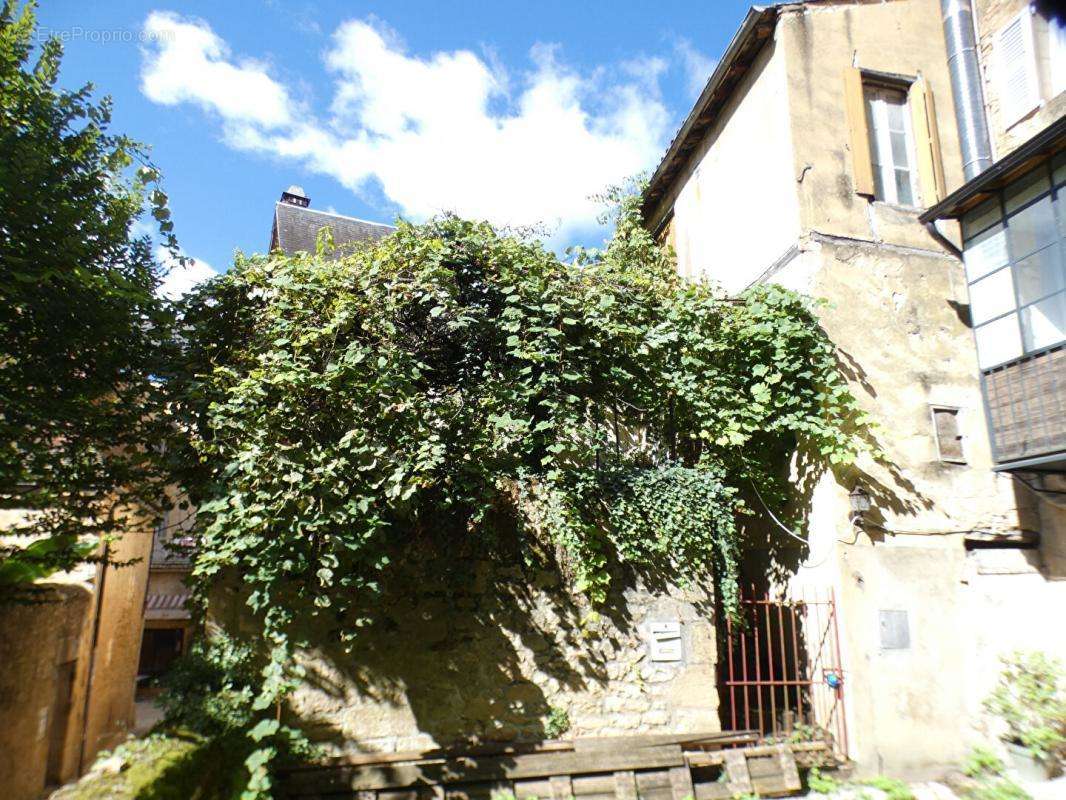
column 81, row 330
column 451, row 381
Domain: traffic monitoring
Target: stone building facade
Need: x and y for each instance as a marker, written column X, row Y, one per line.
column 825, row 132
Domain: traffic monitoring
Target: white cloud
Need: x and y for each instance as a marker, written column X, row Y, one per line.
column 179, row 280
column 190, row 64
column 697, row 66
column 448, row 132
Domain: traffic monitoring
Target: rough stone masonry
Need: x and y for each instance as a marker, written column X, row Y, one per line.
column 497, row 659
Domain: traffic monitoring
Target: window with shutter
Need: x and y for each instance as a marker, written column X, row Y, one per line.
column 1019, row 89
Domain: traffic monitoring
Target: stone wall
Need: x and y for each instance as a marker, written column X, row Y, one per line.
column 493, row 661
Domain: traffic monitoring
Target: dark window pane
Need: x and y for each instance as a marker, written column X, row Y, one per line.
column 1039, row 275
column 980, row 217
column 1027, row 187
column 1031, row 229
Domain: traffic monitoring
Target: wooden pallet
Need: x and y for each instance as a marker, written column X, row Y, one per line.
column 686, row 767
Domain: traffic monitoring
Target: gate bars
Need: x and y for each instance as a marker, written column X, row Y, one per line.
column 781, row 668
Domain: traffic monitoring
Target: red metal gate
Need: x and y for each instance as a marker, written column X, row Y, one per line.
column 780, row 668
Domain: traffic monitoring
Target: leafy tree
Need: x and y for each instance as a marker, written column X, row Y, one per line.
column 450, row 384
column 81, row 329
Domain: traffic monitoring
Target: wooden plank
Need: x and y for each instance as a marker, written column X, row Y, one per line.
column 470, row 770
column 625, row 785
column 561, row 787
column 588, row 785
column 681, row 783
column 716, row 758
column 536, row 788
column 736, row 769
column 650, row 780
column 787, row 761
column 713, row 791
column 719, row 738
column 437, row 753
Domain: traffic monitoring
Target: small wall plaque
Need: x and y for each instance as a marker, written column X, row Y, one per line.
column 664, row 641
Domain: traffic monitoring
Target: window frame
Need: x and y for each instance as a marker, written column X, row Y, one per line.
column 880, row 139
column 1056, row 194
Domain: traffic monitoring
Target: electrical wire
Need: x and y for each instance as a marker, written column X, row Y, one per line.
column 780, row 524
column 800, row 539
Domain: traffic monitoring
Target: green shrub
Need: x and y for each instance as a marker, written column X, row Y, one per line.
column 982, row 762
column 1031, row 698
column 894, row 788
column 986, row 769
column 210, row 690
column 558, row 722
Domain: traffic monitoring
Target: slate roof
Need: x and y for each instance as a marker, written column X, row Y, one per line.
column 296, row 229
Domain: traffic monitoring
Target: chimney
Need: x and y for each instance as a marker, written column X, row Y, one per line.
column 295, row 196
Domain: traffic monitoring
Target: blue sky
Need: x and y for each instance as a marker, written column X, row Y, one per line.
column 514, row 112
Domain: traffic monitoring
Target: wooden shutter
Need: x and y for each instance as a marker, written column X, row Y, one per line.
column 858, row 136
column 1019, row 91
column 926, row 142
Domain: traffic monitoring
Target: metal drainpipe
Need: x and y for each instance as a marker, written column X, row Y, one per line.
column 966, row 87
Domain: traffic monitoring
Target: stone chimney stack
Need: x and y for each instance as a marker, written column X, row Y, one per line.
column 295, row 196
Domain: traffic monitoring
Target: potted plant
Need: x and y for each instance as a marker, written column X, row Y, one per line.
column 1030, row 698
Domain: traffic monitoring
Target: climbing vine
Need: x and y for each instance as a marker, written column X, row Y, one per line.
column 452, row 381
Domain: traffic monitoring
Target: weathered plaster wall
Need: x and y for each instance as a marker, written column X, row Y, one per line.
column 491, row 660
column 896, row 319
column 736, row 216
column 1012, row 603
column 111, row 713
column 992, row 17
column 821, row 42
column 37, row 640
column 34, row 641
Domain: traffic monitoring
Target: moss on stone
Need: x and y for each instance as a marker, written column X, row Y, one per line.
column 175, row 765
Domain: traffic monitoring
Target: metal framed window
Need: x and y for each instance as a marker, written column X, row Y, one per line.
column 1015, row 257
column 888, row 120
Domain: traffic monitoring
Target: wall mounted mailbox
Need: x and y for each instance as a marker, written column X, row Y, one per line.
column 664, row 641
